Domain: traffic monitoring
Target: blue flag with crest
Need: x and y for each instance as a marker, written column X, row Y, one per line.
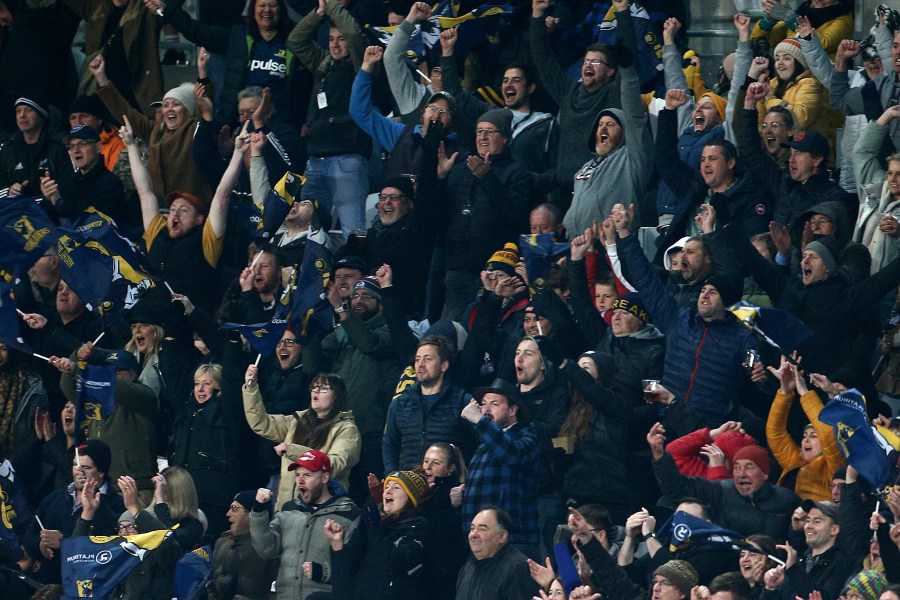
column 26, row 234
column 685, row 530
column 863, row 447
column 540, row 251
column 86, row 267
column 92, row 567
column 95, row 393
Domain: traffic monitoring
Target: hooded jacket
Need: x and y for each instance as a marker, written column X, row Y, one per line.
column 855, row 261
column 604, row 180
column 295, row 535
column 342, row 445
column 878, row 199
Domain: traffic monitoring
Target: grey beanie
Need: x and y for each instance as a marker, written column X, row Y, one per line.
column 824, row 247
column 501, row 118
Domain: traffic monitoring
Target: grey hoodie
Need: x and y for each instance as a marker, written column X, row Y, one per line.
column 622, row 174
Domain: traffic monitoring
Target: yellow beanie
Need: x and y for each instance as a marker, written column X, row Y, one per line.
column 504, row 259
column 718, row 100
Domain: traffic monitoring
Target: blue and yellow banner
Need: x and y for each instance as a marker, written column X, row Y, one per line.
column 26, row 234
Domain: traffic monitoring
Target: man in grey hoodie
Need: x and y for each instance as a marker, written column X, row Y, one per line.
column 619, row 142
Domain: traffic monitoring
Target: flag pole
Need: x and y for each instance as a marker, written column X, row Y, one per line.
column 94, row 343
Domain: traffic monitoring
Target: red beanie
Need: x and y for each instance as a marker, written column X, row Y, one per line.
column 757, row 454
column 732, row 441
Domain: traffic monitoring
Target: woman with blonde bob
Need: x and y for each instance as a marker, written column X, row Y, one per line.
column 326, row 426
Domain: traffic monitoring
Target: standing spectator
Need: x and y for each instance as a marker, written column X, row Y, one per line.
column 171, row 165
column 426, row 412
column 239, row 570
column 89, row 110
column 174, row 503
column 811, row 464
column 186, row 244
column 126, row 34
column 337, row 175
column 579, row 102
column 31, row 152
column 256, row 54
column 362, row 353
column 325, row 426
column 205, row 442
column 504, row 469
column 619, row 144
column 296, row 534
column 832, row 18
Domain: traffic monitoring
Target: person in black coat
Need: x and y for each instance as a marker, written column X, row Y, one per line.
column 388, row 558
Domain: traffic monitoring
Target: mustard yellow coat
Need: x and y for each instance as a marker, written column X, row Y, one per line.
column 831, row 33
column 813, row 478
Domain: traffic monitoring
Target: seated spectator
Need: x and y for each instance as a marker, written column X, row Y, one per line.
column 495, row 568
column 391, row 556
column 239, row 570
column 170, row 166
column 709, row 453
column 326, row 426
column 747, row 503
column 807, row 468
column 61, row 510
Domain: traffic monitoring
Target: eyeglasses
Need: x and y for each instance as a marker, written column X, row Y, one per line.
column 236, row 507
column 287, row 343
column 82, row 144
column 363, row 297
column 486, row 131
column 320, row 387
column 127, row 527
column 594, row 62
column 772, row 126
column 391, row 197
column 437, row 109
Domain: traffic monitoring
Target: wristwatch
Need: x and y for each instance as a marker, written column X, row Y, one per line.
column 343, row 308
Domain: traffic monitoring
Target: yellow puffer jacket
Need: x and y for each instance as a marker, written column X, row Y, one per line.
column 813, row 478
column 807, row 98
column 831, row 33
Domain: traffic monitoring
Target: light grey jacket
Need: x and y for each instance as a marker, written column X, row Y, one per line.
column 871, row 176
column 296, row 535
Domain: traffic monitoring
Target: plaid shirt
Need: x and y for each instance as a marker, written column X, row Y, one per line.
column 504, row 472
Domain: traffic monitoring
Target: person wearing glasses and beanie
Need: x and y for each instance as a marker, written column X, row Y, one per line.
column 327, row 425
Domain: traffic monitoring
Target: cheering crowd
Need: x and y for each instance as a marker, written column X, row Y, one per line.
column 515, row 306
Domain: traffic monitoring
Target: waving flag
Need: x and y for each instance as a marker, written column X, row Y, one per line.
column 779, row 328
column 540, row 251
column 265, row 219
column 15, row 512
column 192, row 573
column 92, row 567
column 26, row 234
column 864, row 448
column 86, row 267
column 685, row 530
column 95, row 393
column 10, row 334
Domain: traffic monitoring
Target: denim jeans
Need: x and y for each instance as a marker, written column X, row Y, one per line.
column 340, row 183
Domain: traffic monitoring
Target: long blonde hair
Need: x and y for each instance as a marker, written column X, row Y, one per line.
column 149, row 356
column 181, row 493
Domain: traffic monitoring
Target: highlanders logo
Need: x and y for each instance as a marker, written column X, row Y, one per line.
column 85, row 588
column 32, row 236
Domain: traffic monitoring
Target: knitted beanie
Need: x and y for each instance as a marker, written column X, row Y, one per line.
column 792, row 47
column 412, row 483
column 680, row 573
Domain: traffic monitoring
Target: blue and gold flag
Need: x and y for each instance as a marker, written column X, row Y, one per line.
column 192, row 573
column 265, row 219
column 540, row 251
column 856, row 438
column 685, row 530
column 26, row 234
column 86, row 267
column 15, row 511
column 95, row 393
column 131, row 271
column 92, row 567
